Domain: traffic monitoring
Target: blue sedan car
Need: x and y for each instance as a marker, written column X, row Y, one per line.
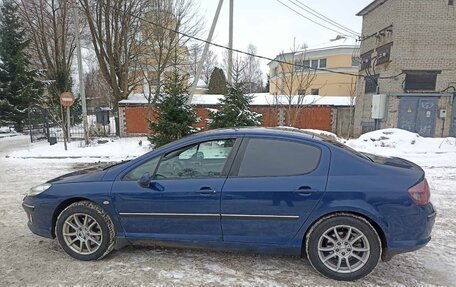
column 251, row 189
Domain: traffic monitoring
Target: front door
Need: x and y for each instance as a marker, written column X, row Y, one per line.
column 182, row 199
column 273, row 187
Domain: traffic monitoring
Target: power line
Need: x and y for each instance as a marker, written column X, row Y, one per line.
column 225, row 47
column 322, row 17
column 315, row 22
column 239, row 51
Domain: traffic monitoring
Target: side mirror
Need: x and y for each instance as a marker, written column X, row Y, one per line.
column 144, row 181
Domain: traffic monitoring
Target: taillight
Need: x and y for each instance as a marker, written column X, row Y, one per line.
column 420, row 193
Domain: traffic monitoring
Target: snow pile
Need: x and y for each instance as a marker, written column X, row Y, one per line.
column 258, row 99
column 7, row 132
column 4, row 130
column 324, row 133
column 401, row 141
column 312, row 131
column 109, row 149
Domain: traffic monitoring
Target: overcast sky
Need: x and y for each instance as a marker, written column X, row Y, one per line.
column 272, row 27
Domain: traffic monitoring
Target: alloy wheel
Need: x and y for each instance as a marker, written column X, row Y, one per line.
column 82, row 233
column 343, row 249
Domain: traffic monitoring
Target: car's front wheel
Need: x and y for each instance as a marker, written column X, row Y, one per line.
column 85, row 231
column 343, row 247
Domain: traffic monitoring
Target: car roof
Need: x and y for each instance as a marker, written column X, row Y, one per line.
column 276, row 131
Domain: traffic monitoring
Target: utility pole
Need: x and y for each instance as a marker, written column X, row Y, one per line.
column 206, row 49
column 81, row 75
column 230, row 44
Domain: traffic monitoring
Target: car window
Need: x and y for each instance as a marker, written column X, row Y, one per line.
column 269, row 157
column 348, row 149
column 202, row 160
column 139, row 171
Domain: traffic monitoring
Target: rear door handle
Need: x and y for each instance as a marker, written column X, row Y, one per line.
column 306, row 191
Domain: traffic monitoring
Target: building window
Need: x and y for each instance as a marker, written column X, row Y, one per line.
column 371, row 84
column 366, row 60
column 302, row 92
column 315, row 92
column 322, row 63
column 451, row 2
column 421, row 80
column 384, row 53
column 355, row 61
column 314, row 64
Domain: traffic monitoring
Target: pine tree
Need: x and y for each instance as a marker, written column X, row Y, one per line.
column 234, row 110
column 217, row 82
column 175, row 117
column 18, row 88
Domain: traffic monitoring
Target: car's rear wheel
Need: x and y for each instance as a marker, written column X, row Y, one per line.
column 85, row 231
column 343, row 247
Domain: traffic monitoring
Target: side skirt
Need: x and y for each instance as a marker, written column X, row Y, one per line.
column 220, row 246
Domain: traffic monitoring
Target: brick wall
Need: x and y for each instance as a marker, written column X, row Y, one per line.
column 135, row 118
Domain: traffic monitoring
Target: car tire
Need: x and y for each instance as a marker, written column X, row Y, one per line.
column 85, row 231
column 343, row 247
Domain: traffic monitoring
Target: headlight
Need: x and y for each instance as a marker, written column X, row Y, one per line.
column 39, row 189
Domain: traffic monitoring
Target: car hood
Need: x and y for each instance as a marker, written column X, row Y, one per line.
column 91, row 174
column 83, row 175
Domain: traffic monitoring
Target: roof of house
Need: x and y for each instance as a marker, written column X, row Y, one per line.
column 338, row 43
column 372, row 6
column 258, row 99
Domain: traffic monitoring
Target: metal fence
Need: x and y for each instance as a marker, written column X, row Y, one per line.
column 40, row 126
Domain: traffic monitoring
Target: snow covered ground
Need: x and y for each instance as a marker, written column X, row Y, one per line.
column 26, row 259
column 101, row 149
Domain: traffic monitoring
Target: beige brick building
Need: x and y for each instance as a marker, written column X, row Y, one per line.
column 339, row 55
column 408, row 51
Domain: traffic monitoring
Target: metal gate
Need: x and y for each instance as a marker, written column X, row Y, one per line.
column 453, row 118
column 418, row 115
column 38, row 124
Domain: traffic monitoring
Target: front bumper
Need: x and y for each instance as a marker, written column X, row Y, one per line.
column 35, row 218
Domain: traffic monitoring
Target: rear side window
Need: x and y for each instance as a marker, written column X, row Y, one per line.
column 268, row 157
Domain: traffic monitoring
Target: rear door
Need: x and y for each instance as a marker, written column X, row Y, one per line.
column 272, row 188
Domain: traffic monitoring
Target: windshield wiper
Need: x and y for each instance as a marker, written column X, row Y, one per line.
column 115, row 164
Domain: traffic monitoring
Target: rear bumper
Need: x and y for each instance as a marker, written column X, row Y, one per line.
column 403, row 246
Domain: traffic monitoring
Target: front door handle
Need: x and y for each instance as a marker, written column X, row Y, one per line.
column 306, row 188
column 207, row 191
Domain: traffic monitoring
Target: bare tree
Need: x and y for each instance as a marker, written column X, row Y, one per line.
column 194, row 55
column 115, row 29
column 49, row 25
column 209, row 66
column 98, row 91
column 252, row 77
column 292, row 80
column 163, row 45
column 249, row 68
